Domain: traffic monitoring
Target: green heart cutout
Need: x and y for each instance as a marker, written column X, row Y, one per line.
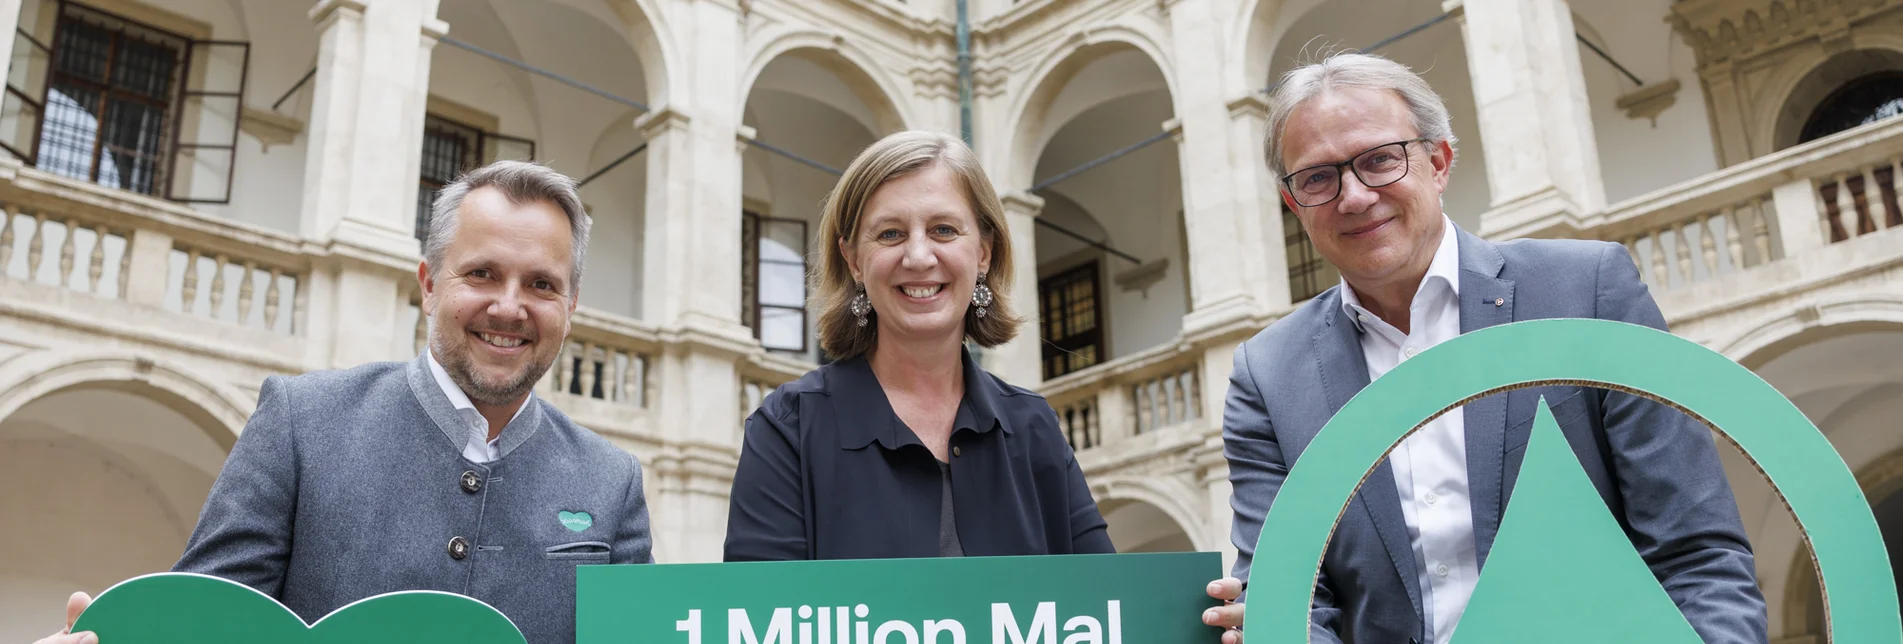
column 180, row 608
column 575, row 521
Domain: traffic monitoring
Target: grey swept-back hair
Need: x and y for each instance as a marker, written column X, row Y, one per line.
column 521, row 182
column 1364, row 71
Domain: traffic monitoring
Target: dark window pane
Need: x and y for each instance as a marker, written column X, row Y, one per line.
column 1862, row 101
column 109, row 101
column 449, row 149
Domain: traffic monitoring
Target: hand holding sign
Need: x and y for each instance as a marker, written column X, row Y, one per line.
column 75, row 605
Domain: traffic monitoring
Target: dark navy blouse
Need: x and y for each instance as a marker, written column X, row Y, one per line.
column 828, row 471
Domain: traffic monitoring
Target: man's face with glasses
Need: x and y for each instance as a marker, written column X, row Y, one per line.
column 1365, row 185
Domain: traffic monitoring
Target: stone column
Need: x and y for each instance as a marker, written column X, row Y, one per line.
column 366, row 123
column 1227, row 270
column 691, row 290
column 372, row 85
column 1020, row 361
column 1212, row 472
column 1535, row 124
column 1259, row 202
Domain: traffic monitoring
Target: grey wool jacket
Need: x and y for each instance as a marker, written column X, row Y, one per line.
column 348, row 484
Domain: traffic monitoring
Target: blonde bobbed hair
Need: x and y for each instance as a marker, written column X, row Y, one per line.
column 892, row 157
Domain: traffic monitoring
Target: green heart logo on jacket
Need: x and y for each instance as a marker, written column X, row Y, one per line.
column 575, row 521
column 180, row 608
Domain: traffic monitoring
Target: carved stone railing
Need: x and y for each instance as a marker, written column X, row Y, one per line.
column 763, row 372
column 1823, row 192
column 1154, row 390
column 117, row 245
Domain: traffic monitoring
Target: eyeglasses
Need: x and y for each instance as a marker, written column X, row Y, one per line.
column 1377, row 166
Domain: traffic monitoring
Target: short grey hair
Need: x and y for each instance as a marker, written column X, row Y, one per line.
column 1364, row 71
column 521, row 182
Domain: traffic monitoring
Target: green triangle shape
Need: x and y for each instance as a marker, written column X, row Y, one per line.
column 1561, row 570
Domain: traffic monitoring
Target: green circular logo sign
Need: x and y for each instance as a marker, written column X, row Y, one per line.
column 1600, row 590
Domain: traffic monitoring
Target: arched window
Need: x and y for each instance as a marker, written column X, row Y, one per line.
column 1866, row 99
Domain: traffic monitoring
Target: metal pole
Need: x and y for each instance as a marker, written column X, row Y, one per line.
column 611, row 165
column 1602, row 54
column 964, row 74
column 1099, row 161
column 544, row 73
column 294, row 88
column 1087, row 241
column 809, row 162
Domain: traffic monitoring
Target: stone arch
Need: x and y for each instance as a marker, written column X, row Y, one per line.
column 1803, row 602
column 1779, row 333
column 869, row 82
column 640, row 22
column 1173, row 498
column 121, row 450
column 1040, row 91
column 210, row 405
column 1838, row 364
column 1801, row 89
column 1258, row 30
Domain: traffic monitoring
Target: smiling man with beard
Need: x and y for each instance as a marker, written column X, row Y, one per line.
column 444, row 473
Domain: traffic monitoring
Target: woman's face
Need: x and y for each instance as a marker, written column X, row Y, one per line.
column 918, row 251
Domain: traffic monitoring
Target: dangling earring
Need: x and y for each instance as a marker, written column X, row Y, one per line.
column 861, row 305
column 981, row 296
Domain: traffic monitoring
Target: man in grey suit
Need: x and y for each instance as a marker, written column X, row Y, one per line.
column 444, row 473
column 1365, row 149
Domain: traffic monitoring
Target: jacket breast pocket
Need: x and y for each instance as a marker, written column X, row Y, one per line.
column 580, row 552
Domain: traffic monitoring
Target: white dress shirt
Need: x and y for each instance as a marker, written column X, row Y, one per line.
column 1430, row 467
column 479, row 449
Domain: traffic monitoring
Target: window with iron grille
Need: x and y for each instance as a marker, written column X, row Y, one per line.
column 1308, row 273
column 773, row 280
column 451, row 148
column 1068, row 304
column 1861, row 101
column 110, row 90
column 113, row 101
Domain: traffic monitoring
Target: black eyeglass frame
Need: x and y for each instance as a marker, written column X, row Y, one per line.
column 1288, row 180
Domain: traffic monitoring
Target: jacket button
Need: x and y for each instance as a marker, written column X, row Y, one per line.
column 472, row 482
column 458, row 548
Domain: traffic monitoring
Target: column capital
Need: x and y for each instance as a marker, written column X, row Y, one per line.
column 1252, row 104
column 434, row 29
column 328, row 10
column 1021, row 202
column 743, row 136
column 661, row 120
column 1174, row 127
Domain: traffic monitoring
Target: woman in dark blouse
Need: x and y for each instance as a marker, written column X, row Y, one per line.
column 903, row 446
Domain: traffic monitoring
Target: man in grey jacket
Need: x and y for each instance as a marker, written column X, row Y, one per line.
column 1364, row 149
column 444, row 473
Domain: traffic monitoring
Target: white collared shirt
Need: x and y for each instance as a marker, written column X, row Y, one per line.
column 1430, row 467
column 479, row 449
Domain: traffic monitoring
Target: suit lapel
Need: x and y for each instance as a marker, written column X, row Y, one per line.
column 1485, row 300
column 1344, row 373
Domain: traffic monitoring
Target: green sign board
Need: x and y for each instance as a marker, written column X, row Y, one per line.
column 1560, row 566
column 181, row 608
column 1076, row 599
column 1598, row 591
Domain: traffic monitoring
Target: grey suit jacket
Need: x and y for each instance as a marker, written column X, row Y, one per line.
column 348, row 484
column 1656, row 468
